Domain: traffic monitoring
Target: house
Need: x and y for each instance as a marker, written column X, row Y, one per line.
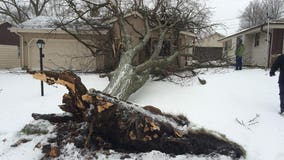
column 135, row 20
column 258, row 51
column 9, row 52
column 208, row 48
column 63, row 52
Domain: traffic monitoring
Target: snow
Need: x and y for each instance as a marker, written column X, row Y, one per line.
column 228, row 96
column 43, row 22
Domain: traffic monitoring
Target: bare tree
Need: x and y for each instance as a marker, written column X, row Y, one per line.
column 253, row 15
column 274, row 8
column 257, row 12
column 163, row 19
column 38, row 6
column 14, row 11
column 20, row 11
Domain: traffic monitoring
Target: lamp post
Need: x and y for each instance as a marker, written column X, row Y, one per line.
column 40, row 44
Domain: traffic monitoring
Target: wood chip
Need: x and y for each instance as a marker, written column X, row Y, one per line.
column 19, row 142
column 87, row 98
column 103, row 107
column 140, row 125
column 146, row 128
column 178, row 133
column 132, row 136
column 100, row 109
column 99, row 98
column 154, row 126
column 156, row 136
column 147, row 138
column 38, row 145
column 54, row 152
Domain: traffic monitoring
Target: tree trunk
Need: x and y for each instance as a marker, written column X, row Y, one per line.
column 125, row 81
column 107, row 122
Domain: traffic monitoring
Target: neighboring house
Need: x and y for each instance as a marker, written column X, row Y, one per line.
column 9, row 52
column 63, row 52
column 257, row 51
column 208, row 48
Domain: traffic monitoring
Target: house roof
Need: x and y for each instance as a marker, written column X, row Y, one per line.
column 47, row 24
column 40, row 22
column 259, row 28
column 187, row 33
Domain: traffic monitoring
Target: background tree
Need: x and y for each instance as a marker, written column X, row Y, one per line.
column 162, row 18
column 19, row 11
column 256, row 12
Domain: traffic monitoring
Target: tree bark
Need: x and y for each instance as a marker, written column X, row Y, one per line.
column 125, row 81
column 107, row 122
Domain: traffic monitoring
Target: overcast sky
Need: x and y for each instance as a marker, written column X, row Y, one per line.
column 227, row 12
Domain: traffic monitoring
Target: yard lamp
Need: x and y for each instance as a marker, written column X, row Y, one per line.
column 40, row 44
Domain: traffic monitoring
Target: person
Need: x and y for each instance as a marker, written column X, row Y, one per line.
column 279, row 64
column 239, row 55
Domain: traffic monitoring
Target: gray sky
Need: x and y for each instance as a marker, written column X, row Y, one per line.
column 227, row 12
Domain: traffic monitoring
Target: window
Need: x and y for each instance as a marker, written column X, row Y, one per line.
column 256, row 39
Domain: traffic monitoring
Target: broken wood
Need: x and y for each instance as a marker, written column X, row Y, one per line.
column 21, row 141
column 108, row 123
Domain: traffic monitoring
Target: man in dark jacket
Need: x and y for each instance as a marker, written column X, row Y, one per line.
column 279, row 63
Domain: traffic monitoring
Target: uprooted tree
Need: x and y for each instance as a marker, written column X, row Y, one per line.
column 158, row 38
column 100, row 121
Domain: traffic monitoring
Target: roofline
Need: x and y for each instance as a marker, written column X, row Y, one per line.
column 32, row 30
column 250, row 29
column 45, row 30
column 187, row 33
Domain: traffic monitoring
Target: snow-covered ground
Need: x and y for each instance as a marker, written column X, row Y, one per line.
column 243, row 105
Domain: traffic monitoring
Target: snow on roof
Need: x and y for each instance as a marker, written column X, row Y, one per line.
column 40, row 22
column 50, row 23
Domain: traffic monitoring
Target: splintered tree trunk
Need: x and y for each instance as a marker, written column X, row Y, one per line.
column 101, row 121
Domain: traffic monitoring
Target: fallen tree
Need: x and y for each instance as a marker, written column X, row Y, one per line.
column 100, row 121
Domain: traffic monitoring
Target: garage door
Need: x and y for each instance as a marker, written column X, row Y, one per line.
column 62, row 55
column 9, row 57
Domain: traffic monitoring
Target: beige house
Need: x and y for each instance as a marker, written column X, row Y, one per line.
column 258, row 52
column 208, row 48
column 211, row 40
column 61, row 51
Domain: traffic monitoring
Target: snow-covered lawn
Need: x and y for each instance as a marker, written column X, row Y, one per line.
column 249, row 96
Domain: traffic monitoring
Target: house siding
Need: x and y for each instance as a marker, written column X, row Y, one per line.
column 211, row 41
column 9, row 57
column 61, row 51
column 258, row 54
